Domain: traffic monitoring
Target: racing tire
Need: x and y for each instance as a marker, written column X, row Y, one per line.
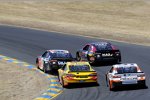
column 111, row 86
column 118, row 61
column 143, row 84
column 45, row 68
column 91, row 62
column 62, row 82
column 37, row 64
column 78, row 57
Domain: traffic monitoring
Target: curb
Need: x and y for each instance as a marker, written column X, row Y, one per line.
column 54, row 88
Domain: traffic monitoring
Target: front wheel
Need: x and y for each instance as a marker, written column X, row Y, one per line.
column 37, row 64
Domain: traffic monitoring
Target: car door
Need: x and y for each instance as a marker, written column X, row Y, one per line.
column 84, row 52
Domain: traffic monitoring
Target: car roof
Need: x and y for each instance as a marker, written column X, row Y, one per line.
column 57, row 50
column 77, row 63
column 125, row 65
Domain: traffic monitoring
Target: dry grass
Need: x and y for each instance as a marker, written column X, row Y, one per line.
column 125, row 20
column 19, row 83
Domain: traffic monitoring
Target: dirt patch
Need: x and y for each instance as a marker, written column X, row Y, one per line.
column 124, row 20
column 20, row 83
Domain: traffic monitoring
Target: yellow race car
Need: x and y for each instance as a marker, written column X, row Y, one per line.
column 77, row 72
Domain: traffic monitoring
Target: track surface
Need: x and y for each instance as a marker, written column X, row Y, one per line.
column 26, row 44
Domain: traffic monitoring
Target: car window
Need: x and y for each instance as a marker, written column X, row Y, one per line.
column 63, row 67
column 122, row 70
column 44, row 55
column 111, row 70
column 103, row 46
column 61, row 55
column 86, row 47
column 78, row 68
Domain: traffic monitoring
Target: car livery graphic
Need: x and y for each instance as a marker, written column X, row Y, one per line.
column 99, row 52
column 53, row 60
column 125, row 74
column 77, row 72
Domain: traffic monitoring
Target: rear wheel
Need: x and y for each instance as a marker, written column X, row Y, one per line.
column 63, row 83
column 91, row 60
column 78, row 57
column 143, row 84
column 117, row 61
column 111, row 86
column 46, row 68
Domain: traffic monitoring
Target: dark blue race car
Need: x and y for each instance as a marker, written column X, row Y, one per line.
column 53, row 60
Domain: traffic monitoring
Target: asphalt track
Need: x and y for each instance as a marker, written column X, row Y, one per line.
column 26, row 44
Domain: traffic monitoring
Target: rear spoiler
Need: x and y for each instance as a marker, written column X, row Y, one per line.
column 81, row 71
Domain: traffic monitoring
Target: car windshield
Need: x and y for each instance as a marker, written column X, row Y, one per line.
column 122, row 70
column 61, row 55
column 79, row 68
column 103, row 46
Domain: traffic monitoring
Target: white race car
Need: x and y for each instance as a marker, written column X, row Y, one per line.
column 125, row 74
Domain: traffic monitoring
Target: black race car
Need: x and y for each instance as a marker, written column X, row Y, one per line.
column 99, row 52
column 53, row 60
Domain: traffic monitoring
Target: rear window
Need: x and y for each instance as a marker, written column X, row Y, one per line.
column 103, row 46
column 122, row 70
column 61, row 55
column 79, row 68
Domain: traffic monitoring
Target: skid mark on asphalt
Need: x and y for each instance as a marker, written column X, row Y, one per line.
column 54, row 88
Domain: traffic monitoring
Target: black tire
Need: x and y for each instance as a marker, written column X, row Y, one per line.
column 118, row 61
column 91, row 62
column 47, row 68
column 78, row 58
column 37, row 62
column 44, row 69
column 143, row 84
column 111, row 88
column 63, row 83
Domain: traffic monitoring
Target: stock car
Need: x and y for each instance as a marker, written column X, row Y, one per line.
column 77, row 72
column 99, row 52
column 124, row 75
column 53, row 60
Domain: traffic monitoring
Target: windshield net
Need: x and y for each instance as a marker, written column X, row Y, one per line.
column 76, row 68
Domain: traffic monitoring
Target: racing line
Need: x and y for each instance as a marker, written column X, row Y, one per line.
column 26, row 44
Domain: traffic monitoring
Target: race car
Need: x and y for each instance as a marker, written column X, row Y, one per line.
column 53, row 60
column 77, row 72
column 99, row 52
column 125, row 74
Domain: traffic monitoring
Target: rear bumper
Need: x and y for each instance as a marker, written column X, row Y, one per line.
column 81, row 81
column 140, row 83
column 104, row 59
column 55, row 67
